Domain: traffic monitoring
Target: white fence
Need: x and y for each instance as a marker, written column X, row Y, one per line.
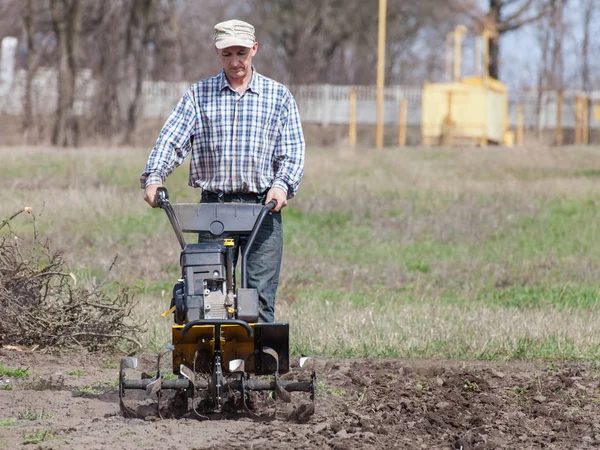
column 328, row 104
column 322, row 104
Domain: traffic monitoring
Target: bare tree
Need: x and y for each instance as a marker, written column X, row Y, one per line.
column 498, row 21
column 588, row 9
column 183, row 40
column 33, row 55
column 66, row 19
column 104, row 24
column 139, row 26
column 335, row 41
column 557, row 66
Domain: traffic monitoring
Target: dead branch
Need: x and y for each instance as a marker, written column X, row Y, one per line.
column 41, row 305
column 6, row 221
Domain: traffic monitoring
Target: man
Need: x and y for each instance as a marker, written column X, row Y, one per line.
column 245, row 138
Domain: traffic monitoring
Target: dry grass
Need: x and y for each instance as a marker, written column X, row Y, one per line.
column 447, row 331
column 476, row 253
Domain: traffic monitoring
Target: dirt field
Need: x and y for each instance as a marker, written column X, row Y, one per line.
column 70, row 402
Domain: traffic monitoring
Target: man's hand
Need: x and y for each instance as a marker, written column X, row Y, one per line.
column 150, row 194
column 279, row 195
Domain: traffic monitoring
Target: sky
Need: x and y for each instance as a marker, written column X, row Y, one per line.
column 521, row 54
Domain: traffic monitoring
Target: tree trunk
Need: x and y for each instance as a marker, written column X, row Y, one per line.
column 66, row 17
column 585, row 52
column 544, row 41
column 107, row 121
column 557, row 64
column 139, row 29
column 28, row 123
column 494, row 41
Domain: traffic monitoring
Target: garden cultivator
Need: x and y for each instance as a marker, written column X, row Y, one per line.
column 221, row 353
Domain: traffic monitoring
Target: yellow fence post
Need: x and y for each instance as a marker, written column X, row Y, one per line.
column 585, row 125
column 352, row 119
column 380, row 72
column 520, row 124
column 577, row 120
column 559, row 130
column 402, row 124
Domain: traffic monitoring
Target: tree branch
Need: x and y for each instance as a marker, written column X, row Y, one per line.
column 503, row 28
column 524, row 7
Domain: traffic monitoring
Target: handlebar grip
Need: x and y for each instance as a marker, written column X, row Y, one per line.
column 162, row 195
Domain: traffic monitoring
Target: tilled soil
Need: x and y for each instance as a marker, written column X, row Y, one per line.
column 70, row 402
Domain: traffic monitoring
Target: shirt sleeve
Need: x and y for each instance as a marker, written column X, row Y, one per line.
column 173, row 143
column 289, row 150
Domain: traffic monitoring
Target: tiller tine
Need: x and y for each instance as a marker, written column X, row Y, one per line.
column 128, row 362
column 279, row 391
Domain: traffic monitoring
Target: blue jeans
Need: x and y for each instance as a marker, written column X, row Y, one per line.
column 264, row 259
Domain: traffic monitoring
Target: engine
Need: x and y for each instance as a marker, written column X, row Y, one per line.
column 206, row 289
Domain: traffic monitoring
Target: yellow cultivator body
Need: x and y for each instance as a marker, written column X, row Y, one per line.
column 221, row 353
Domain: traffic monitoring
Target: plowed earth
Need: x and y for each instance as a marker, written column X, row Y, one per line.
column 71, row 402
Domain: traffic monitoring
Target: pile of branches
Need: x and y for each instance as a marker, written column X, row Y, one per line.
column 42, row 306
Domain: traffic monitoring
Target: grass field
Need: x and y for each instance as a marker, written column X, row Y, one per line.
column 451, row 253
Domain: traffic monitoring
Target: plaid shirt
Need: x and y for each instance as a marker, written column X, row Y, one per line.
column 239, row 143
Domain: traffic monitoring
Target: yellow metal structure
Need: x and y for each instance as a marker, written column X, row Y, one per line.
column 228, row 242
column 471, row 110
column 474, row 110
column 196, row 349
column 169, row 312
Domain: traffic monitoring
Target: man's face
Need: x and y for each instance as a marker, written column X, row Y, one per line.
column 237, row 61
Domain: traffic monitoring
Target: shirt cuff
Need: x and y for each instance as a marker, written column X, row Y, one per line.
column 153, row 178
column 279, row 183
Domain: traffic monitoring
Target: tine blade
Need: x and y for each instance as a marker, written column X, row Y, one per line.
column 236, row 365
column 186, row 372
column 305, row 411
column 282, row 393
column 273, row 353
column 307, row 363
column 129, row 362
column 154, row 387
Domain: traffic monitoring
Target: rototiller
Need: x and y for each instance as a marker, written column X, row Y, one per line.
column 220, row 352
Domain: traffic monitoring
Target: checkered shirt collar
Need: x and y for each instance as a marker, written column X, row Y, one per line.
column 253, row 86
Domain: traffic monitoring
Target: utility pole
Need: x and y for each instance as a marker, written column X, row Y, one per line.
column 380, row 72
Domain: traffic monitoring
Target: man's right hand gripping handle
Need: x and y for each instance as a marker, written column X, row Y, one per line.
column 150, row 194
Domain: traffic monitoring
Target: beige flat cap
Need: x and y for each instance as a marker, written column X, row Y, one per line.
column 233, row 33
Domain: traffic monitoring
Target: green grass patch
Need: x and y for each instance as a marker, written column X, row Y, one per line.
column 568, row 296
column 13, row 373
column 108, row 364
column 164, row 375
column 565, row 227
column 98, row 388
column 76, row 373
column 33, row 415
column 323, row 389
column 590, row 173
column 131, row 228
column 48, row 167
column 9, row 421
column 40, row 436
column 146, row 288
